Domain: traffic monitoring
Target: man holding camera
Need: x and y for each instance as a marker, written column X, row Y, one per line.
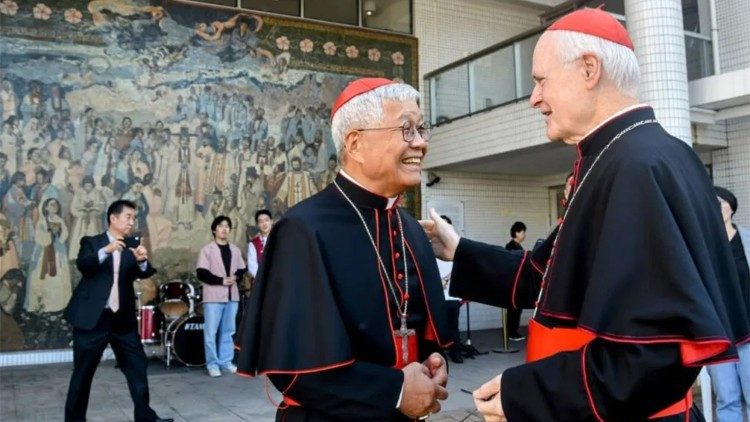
column 102, row 311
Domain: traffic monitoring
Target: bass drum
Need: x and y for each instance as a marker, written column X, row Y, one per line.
column 186, row 339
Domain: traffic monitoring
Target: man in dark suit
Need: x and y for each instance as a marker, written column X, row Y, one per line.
column 102, row 311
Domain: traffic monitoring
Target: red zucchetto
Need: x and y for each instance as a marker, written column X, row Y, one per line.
column 357, row 87
column 594, row 22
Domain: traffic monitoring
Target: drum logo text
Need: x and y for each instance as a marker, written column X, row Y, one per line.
column 193, row 326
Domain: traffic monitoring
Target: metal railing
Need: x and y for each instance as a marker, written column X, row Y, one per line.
column 501, row 74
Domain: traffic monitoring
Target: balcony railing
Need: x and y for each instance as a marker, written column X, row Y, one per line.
column 501, row 74
column 490, row 78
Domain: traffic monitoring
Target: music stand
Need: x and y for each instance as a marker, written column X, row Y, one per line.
column 469, row 351
column 505, row 348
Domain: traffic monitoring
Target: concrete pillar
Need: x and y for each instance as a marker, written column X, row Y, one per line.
column 655, row 27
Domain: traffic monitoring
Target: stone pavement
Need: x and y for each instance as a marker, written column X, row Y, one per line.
column 37, row 393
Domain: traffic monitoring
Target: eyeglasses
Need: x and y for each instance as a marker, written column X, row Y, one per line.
column 408, row 131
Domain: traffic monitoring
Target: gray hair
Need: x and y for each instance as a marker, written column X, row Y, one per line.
column 619, row 63
column 367, row 109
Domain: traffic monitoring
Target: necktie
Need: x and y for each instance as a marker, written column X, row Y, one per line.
column 114, row 294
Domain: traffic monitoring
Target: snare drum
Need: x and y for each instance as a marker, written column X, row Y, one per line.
column 185, row 336
column 149, row 325
column 176, row 298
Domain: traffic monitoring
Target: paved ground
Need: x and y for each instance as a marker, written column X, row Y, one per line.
column 37, row 393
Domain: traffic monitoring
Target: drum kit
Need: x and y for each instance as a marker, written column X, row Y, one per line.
column 173, row 329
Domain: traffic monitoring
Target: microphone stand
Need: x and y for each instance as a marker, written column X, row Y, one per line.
column 505, row 348
column 470, row 351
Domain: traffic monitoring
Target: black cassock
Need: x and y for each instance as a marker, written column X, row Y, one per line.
column 320, row 318
column 640, row 262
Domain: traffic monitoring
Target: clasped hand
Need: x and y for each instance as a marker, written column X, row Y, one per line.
column 424, row 385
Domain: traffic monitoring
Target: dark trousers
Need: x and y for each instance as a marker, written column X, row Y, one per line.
column 452, row 308
column 514, row 320
column 88, row 346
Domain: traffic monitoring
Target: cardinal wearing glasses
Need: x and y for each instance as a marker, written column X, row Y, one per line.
column 346, row 317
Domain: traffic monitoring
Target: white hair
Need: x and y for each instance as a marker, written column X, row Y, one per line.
column 367, row 109
column 619, row 63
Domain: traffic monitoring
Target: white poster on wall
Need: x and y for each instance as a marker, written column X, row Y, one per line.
column 450, row 208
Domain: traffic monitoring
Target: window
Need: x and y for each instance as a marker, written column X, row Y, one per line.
column 231, row 3
column 526, row 53
column 696, row 16
column 493, row 79
column 339, row 11
column 612, row 6
column 451, row 92
column 392, row 15
column 282, row 7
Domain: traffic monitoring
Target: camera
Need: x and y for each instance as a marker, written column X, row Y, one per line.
column 132, row 241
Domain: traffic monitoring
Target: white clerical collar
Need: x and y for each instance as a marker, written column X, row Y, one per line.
column 391, row 201
column 612, row 117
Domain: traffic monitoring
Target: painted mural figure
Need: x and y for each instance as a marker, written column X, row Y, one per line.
column 4, row 176
column 11, row 144
column 326, row 178
column 220, row 168
column 87, row 208
column 19, row 210
column 11, row 285
column 260, row 127
column 135, row 195
column 61, row 167
column 120, row 7
column 8, row 100
column 159, row 227
column 181, row 202
column 56, row 103
column 43, row 190
column 48, row 286
column 204, row 155
column 32, row 104
column 8, row 253
column 32, row 132
column 297, row 185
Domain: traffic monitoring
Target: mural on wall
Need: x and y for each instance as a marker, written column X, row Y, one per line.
column 190, row 111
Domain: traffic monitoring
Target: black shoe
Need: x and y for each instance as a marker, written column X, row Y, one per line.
column 455, row 355
column 516, row 337
column 164, row 419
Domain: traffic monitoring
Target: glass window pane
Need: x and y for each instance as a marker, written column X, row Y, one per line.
column 232, row 3
column 493, row 79
column 612, row 6
column 696, row 16
column 282, row 7
column 527, row 53
column 451, row 94
column 392, row 15
column 699, row 55
column 340, row 11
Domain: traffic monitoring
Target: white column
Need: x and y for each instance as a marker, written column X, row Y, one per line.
column 655, row 27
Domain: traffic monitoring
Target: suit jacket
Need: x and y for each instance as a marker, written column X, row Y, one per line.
column 92, row 293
